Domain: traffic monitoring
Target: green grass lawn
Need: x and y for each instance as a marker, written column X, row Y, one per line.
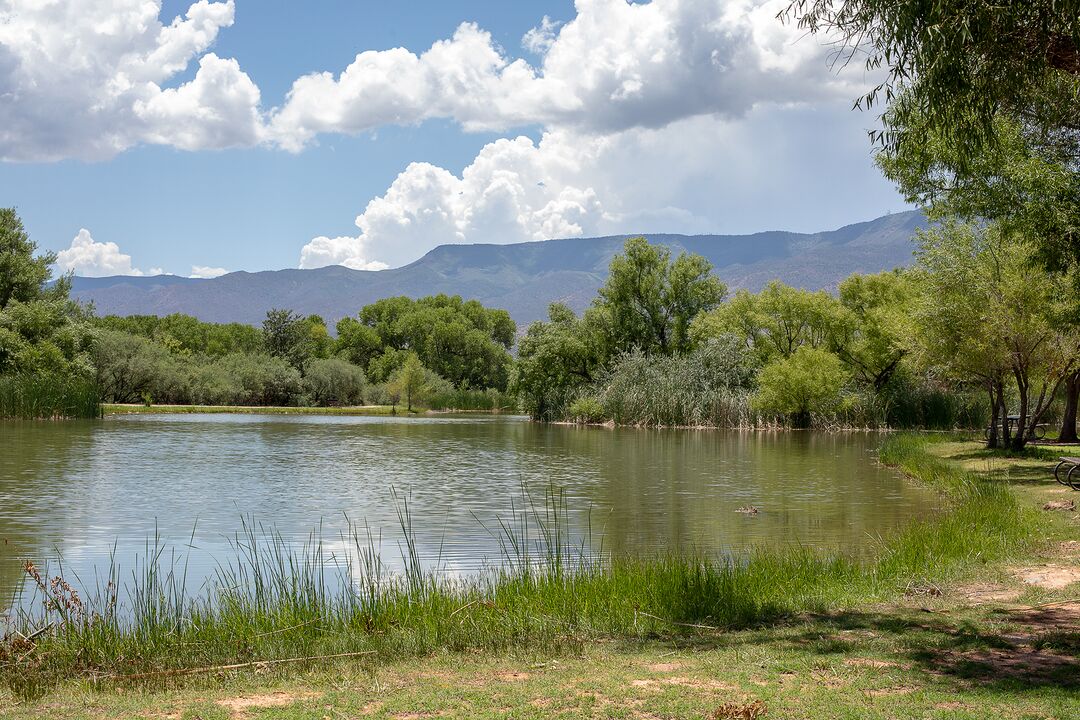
column 132, row 409
column 996, row 636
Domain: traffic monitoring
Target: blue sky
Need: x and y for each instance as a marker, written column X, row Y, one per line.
column 675, row 115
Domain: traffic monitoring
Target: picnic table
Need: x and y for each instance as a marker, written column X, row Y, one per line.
column 1038, row 431
column 1069, row 465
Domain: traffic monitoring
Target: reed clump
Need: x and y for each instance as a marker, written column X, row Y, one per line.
column 552, row 591
column 46, row 397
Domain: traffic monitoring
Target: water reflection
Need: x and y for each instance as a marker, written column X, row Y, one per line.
column 77, row 488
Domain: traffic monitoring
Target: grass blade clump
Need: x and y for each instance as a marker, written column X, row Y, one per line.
column 45, row 397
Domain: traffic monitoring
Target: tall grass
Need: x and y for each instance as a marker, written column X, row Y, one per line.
column 32, row 397
column 553, row 591
column 705, row 388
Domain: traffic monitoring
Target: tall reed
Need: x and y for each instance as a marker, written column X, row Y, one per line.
column 40, row 396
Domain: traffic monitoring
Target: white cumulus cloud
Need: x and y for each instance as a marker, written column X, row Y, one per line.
column 614, row 66
column 90, row 258
column 513, row 191
column 202, row 271
column 88, row 79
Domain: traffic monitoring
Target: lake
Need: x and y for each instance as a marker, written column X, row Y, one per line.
column 84, row 490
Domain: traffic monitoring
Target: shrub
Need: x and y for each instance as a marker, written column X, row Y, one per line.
column 808, row 381
column 334, row 382
column 247, row 379
column 587, row 410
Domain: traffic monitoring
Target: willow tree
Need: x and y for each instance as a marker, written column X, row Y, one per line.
column 969, row 84
column 775, row 322
column 557, row 357
column 987, row 314
column 959, row 63
column 650, row 299
column 1025, row 190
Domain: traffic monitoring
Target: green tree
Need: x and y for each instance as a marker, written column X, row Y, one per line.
column 557, row 357
column 462, row 341
column 775, row 322
column 41, row 330
column 959, row 63
column 807, row 381
column 356, row 342
column 296, row 339
column 410, row 381
column 1014, row 183
column 870, row 336
column 319, row 344
column 650, row 300
column 1025, row 184
column 23, row 277
column 986, row 313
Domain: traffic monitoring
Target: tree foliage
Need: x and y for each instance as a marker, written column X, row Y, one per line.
column 871, row 334
column 806, row 381
column 775, row 322
column 41, row 330
column 410, row 381
column 959, row 63
column 462, row 341
column 187, row 335
column 558, row 356
column 650, row 300
column 987, row 314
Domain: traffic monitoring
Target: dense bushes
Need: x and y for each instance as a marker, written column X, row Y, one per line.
column 334, row 382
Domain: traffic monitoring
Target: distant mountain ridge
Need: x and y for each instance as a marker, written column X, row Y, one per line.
column 523, row 278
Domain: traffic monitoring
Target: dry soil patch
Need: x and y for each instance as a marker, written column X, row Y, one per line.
column 1049, row 577
column 239, row 706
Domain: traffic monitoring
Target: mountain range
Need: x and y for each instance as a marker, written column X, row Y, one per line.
column 522, row 278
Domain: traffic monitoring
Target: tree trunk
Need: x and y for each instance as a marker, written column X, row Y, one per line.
column 1072, row 395
column 992, row 437
column 1019, row 440
column 1003, row 415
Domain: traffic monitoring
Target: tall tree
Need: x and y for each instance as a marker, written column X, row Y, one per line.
column 557, row 357
column 774, row 322
column 41, row 329
column 987, row 314
column 23, row 276
column 870, row 334
column 462, row 341
column 651, row 300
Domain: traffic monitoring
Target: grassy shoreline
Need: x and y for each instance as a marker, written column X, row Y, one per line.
column 377, row 410
column 556, row 603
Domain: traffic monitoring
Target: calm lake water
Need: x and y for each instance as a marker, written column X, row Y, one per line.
column 76, row 490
